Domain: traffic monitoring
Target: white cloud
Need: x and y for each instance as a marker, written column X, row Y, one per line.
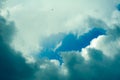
column 55, row 62
column 110, row 42
column 98, row 66
column 36, row 19
column 57, row 46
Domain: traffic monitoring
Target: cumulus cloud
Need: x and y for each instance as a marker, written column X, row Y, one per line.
column 36, row 19
column 103, row 58
column 99, row 66
column 109, row 44
column 103, row 62
column 103, row 52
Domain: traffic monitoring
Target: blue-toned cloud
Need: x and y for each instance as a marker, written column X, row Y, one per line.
column 12, row 65
column 99, row 65
column 97, row 58
column 118, row 7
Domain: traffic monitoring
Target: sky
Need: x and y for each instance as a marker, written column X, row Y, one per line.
column 59, row 40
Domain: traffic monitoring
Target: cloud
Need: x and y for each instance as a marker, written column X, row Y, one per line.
column 36, row 19
column 2, row 2
column 12, row 65
column 103, row 58
column 109, row 44
column 67, row 42
column 118, row 7
column 49, row 70
column 99, row 66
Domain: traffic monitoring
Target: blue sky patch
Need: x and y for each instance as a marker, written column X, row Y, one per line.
column 70, row 42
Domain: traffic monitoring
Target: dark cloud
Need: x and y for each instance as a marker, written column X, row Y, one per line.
column 14, row 67
column 49, row 72
column 12, row 64
column 118, row 7
column 99, row 67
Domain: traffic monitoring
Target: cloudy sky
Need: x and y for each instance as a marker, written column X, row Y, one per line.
column 59, row 40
